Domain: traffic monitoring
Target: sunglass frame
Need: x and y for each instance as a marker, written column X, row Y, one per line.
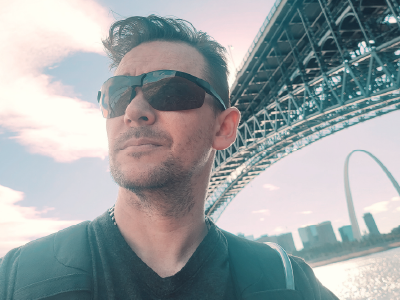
column 154, row 76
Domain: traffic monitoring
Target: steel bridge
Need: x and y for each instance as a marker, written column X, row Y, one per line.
column 315, row 67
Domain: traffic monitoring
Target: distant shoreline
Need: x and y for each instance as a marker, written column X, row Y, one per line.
column 353, row 255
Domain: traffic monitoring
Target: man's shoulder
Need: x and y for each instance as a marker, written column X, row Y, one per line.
column 248, row 247
column 45, row 246
column 260, row 249
column 60, row 247
column 254, row 262
column 258, row 263
column 64, row 255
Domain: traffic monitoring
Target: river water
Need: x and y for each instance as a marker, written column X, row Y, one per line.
column 372, row 277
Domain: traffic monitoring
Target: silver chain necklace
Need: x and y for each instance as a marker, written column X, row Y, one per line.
column 111, row 213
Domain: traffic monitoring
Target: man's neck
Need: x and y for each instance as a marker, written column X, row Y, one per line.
column 164, row 242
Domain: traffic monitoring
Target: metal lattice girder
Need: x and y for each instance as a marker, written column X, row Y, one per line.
column 315, row 68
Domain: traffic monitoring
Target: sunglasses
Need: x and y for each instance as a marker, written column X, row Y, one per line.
column 164, row 90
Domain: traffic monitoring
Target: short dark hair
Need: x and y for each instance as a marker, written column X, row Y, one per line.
column 124, row 35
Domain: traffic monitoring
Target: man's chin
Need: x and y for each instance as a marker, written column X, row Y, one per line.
column 134, row 179
column 149, row 174
column 136, row 183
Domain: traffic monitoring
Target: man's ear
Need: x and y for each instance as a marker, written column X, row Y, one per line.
column 227, row 123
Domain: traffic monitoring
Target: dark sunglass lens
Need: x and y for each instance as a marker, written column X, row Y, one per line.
column 119, row 101
column 174, row 93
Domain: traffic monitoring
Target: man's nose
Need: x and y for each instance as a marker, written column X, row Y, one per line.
column 139, row 111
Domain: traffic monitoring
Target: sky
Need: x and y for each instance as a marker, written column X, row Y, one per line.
column 53, row 149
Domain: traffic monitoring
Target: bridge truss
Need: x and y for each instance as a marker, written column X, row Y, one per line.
column 316, row 67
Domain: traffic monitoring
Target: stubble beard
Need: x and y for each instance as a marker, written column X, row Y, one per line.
column 164, row 190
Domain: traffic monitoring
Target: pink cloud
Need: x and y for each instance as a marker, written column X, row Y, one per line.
column 377, row 207
column 262, row 211
column 306, row 212
column 19, row 224
column 270, row 187
column 42, row 114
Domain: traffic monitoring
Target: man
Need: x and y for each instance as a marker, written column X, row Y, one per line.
column 167, row 111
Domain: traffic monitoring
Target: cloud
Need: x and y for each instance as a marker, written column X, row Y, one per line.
column 44, row 116
column 262, row 211
column 396, row 199
column 262, row 219
column 270, row 187
column 398, row 208
column 19, row 224
column 306, row 212
column 279, row 229
column 377, row 207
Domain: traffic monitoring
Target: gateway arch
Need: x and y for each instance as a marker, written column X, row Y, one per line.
column 350, row 205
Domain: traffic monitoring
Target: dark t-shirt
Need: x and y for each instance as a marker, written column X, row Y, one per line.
column 120, row 274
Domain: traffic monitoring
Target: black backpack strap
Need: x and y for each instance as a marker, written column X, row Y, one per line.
column 257, row 270
column 58, row 263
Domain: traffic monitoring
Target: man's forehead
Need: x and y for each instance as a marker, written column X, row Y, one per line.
column 162, row 55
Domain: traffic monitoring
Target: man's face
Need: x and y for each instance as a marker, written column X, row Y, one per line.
column 148, row 148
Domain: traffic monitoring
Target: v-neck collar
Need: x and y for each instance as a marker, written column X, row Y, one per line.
column 148, row 279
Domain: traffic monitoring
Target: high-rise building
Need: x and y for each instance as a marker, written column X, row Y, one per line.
column 308, row 236
column 285, row 240
column 265, row 238
column 325, row 233
column 370, row 222
column 249, row 237
column 346, row 232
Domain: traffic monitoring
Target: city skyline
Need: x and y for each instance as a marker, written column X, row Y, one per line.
column 317, row 235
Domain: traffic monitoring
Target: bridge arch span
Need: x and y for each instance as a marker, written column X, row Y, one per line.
column 350, row 205
column 292, row 93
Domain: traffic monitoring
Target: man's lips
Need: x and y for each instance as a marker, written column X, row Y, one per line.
column 140, row 143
